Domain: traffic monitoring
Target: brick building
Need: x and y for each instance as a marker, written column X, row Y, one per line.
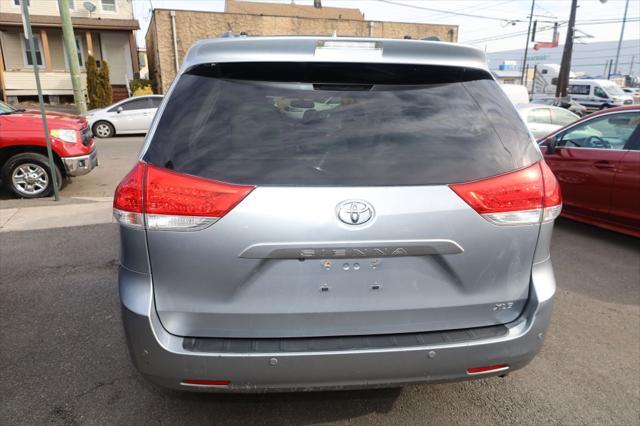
column 187, row 27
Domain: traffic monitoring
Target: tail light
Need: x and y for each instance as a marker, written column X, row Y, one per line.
column 161, row 199
column 525, row 196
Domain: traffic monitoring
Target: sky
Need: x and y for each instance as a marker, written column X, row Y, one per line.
column 497, row 25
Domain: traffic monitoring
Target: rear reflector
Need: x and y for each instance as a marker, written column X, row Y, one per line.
column 206, row 383
column 522, row 197
column 487, row 369
column 163, row 199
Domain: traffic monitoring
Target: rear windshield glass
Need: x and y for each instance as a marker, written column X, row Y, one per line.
column 326, row 124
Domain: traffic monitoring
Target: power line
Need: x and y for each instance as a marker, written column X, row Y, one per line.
column 469, row 15
column 519, row 33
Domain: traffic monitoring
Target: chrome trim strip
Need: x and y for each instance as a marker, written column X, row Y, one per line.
column 350, row 249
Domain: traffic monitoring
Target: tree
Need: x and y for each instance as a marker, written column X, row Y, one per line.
column 93, row 89
column 105, row 84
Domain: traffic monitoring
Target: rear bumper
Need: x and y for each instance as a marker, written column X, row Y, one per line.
column 161, row 357
column 81, row 165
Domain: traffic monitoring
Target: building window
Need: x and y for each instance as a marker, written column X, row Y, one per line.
column 141, row 60
column 108, row 5
column 27, row 50
column 17, row 3
column 71, row 5
column 80, row 51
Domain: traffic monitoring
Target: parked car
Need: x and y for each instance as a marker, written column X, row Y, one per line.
column 634, row 92
column 400, row 236
column 543, row 120
column 597, row 162
column 24, row 165
column 129, row 116
column 566, row 103
column 597, row 94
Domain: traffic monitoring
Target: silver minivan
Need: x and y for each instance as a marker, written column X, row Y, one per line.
column 397, row 234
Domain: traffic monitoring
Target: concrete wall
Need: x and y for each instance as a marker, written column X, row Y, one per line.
column 193, row 26
column 124, row 9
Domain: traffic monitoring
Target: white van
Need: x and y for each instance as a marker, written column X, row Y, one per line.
column 517, row 93
column 598, row 94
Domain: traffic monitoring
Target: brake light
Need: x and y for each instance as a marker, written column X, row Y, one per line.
column 166, row 200
column 522, row 197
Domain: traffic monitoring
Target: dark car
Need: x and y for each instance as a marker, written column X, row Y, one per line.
column 597, row 161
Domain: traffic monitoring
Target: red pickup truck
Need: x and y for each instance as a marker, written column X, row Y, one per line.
column 24, row 166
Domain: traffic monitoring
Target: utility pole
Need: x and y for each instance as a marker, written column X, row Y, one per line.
column 565, row 66
column 26, row 21
column 610, row 69
column 624, row 21
column 631, row 66
column 526, row 46
column 72, row 52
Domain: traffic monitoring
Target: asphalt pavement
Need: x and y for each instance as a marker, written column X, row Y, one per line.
column 64, row 360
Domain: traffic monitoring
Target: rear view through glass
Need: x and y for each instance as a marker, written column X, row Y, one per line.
column 323, row 124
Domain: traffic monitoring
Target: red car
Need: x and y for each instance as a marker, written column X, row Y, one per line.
column 24, row 166
column 597, row 162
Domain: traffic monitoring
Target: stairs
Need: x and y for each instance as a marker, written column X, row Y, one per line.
column 119, row 92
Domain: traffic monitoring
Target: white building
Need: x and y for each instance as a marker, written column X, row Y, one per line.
column 108, row 33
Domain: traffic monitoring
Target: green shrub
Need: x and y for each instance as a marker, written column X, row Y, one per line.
column 98, row 85
column 93, row 89
column 105, row 83
column 139, row 83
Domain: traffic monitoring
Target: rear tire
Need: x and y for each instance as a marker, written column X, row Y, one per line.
column 28, row 175
column 103, row 129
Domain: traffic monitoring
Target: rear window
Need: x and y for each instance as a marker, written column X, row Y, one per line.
column 323, row 124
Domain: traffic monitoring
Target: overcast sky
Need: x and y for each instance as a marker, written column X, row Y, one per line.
column 505, row 30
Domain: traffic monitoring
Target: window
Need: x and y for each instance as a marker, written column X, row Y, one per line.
column 141, row 60
column 108, row 5
column 597, row 91
column 17, row 3
column 562, row 117
column 71, row 5
column 79, row 50
column 579, row 89
column 539, row 115
column 155, row 102
column 610, row 131
column 27, row 50
column 132, row 105
column 326, row 124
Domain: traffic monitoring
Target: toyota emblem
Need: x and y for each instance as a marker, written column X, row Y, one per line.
column 354, row 212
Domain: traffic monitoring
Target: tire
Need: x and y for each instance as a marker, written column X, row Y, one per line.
column 605, row 106
column 103, row 129
column 28, row 175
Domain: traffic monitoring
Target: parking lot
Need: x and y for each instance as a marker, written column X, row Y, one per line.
column 64, row 360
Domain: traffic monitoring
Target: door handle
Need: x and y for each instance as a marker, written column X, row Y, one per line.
column 604, row 164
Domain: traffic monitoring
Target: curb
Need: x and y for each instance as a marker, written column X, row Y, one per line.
column 60, row 216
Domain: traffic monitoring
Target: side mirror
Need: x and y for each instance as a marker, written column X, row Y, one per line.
column 119, row 109
column 551, row 143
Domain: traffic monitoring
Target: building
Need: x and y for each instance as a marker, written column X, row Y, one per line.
column 171, row 33
column 107, row 33
column 588, row 60
column 142, row 62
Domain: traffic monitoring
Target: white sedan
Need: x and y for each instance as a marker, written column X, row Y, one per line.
column 129, row 116
column 545, row 119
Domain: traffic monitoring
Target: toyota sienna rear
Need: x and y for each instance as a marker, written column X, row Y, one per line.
column 330, row 213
